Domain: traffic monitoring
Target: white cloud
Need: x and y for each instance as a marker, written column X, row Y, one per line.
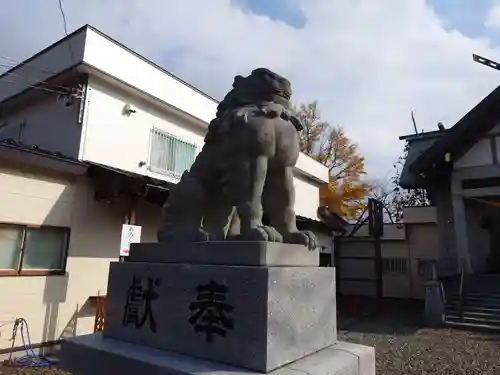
column 493, row 18
column 368, row 63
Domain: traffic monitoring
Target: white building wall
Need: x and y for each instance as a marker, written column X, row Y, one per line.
column 306, row 199
column 56, row 306
column 103, row 54
column 123, row 141
column 109, row 137
column 480, row 154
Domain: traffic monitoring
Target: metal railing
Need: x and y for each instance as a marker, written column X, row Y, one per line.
column 434, row 277
column 461, row 288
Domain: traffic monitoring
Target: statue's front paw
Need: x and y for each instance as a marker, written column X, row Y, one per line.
column 305, row 238
column 201, row 236
column 262, row 233
column 272, row 234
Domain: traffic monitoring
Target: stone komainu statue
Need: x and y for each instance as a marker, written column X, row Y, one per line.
column 244, row 170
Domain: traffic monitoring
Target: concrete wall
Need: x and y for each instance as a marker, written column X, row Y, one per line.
column 47, row 123
column 412, row 243
column 58, row 306
column 416, row 215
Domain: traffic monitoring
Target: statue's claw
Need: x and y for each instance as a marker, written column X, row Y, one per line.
column 305, row 238
column 272, row 234
column 261, row 233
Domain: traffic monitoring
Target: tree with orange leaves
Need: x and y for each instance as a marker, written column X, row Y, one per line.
column 345, row 193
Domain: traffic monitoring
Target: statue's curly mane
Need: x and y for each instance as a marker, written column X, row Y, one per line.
column 261, row 86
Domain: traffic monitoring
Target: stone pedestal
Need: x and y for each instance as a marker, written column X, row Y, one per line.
column 254, row 254
column 262, row 307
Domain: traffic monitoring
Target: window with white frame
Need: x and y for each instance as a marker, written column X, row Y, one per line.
column 28, row 250
column 169, row 154
column 394, row 266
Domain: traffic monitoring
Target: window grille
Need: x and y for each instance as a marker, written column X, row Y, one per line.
column 394, row 266
column 169, row 154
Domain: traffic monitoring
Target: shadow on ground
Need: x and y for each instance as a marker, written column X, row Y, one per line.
column 387, row 317
column 404, row 345
column 394, row 324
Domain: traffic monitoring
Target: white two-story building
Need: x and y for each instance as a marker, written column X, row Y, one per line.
column 92, row 136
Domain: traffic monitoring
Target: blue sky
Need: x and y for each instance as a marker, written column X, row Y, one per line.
column 287, row 11
column 369, row 63
column 467, row 16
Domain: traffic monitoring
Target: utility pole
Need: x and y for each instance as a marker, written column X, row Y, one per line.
column 376, row 230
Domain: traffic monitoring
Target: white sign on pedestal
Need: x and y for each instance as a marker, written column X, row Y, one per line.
column 130, row 234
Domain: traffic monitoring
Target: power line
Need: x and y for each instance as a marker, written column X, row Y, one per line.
column 63, row 17
column 38, row 87
column 66, row 29
column 61, row 91
column 26, row 77
column 24, row 65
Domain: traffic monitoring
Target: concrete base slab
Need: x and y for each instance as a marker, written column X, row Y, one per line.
column 96, row 355
column 235, row 253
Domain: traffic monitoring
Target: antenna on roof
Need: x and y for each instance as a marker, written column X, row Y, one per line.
column 485, row 61
column 414, row 122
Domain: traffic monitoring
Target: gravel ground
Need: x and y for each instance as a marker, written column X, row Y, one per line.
column 6, row 370
column 404, row 347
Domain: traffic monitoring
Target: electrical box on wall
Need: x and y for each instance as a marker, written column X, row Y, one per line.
column 129, row 109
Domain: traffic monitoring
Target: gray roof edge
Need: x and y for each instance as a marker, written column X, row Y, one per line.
column 84, row 29
column 163, row 70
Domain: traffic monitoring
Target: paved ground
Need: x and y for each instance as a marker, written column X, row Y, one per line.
column 403, row 347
